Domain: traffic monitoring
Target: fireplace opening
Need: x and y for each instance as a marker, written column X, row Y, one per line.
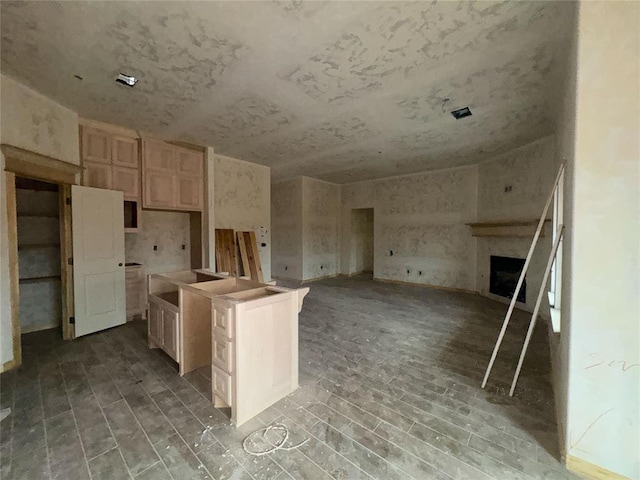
column 504, row 275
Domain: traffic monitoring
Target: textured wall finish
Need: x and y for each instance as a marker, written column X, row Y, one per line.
column 529, row 171
column 35, row 123
column 361, row 251
column 341, row 91
column 243, row 202
column 169, row 231
column 420, row 235
column 603, row 277
column 320, row 228
column 286, row 226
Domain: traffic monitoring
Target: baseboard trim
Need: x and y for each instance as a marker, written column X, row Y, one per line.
column 425, row 285
column 317, row 279
column 591, row 471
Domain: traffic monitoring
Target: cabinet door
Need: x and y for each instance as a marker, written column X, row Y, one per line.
column 159, row 190
column 156, row 330
column 127, row 181
column 159, row 156
column 96, row 145
column 170, row 335
column 124, row 152
column 133, row 283
column 190, row 163
column 189, row 195
column 97, row 175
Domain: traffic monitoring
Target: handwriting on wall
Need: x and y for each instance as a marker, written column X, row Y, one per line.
column 599, row 362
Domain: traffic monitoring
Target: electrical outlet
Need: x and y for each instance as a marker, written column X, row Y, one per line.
column 184, row 247
column 391, row 253
column 155, row 248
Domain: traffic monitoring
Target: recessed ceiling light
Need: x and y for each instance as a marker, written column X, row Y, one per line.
column 128, row 80
column 461, row 113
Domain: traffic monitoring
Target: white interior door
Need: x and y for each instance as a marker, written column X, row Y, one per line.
column 98, row 259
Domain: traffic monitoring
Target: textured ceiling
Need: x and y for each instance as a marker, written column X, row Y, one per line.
column 341, row 91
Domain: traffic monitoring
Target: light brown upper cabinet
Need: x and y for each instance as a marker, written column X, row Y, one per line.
column 111, row 160
column 172, row 177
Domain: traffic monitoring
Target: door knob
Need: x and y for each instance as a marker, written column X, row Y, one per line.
column 119, row 264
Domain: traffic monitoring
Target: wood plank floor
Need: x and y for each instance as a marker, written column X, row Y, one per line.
column 389, row 389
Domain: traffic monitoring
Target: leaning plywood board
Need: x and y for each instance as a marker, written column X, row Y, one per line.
column 226, row 259
column 252, row 256
column 244, row 257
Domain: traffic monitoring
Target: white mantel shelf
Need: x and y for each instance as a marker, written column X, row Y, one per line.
column 517, row 228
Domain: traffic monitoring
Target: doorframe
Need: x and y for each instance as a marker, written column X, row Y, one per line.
column 24, row 163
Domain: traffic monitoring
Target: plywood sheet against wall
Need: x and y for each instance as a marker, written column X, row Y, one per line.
column 243, row 202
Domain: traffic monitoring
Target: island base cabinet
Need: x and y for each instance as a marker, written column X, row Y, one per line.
column 255, row 349
column 163, row 327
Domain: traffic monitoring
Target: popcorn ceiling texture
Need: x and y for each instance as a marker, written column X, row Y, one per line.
column 340, row 91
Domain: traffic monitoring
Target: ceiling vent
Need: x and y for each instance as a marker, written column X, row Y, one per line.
column 128, row 80
column 461, row 113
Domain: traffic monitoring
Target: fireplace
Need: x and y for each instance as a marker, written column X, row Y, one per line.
column 504, row 275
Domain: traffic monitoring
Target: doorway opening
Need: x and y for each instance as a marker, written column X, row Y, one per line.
column 39, row 259
column 361, row 258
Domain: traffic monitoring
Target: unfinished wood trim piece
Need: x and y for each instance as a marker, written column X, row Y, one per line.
column 244, row 257
column 66, row 271
column 196, row 236
column 12, row 244
column 512, row 304
column 226, row 259
column 253, row 256
column 591, row 471
column 29, row 164
column 195, row 331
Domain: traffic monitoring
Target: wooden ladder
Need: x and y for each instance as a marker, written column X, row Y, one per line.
column 558, row 236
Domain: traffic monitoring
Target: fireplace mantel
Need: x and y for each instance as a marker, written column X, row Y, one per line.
column 516, row 228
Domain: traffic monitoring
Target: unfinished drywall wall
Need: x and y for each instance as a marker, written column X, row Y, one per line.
column 419, row 226
column 361, row 251
column 515, row 186
column 600, row 327
column 33, row 122
column 286, row 228
column 168, row 231
column 320, row 228
column 243, row 202
column 39, row 259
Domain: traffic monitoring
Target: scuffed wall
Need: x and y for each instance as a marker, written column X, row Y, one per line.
column 286, row 227
column 361, row 249
column 169, row 231
column 603, row 277
column 33, row 122
column 243, row 202
column 320, row 228
column 419, row 224
column 515, row 186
